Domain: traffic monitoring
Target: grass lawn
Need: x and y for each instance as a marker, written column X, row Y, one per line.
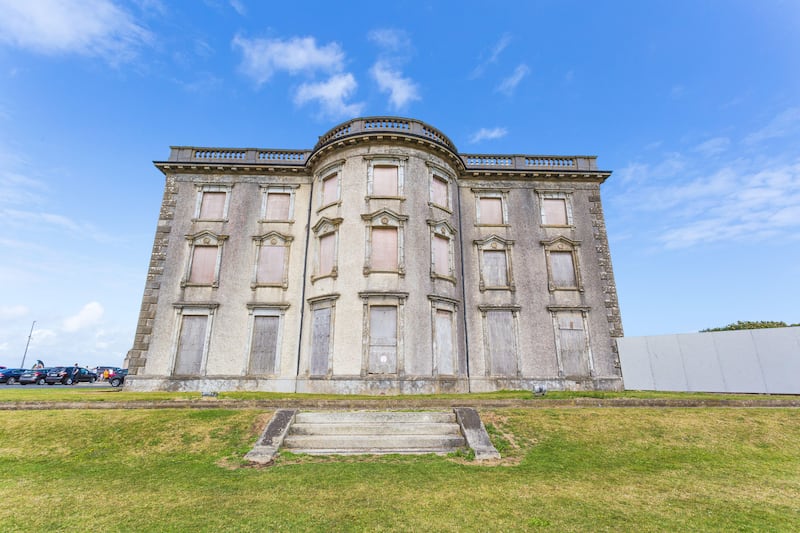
column 641, row 469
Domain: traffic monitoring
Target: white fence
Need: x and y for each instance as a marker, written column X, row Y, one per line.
column 755, row 360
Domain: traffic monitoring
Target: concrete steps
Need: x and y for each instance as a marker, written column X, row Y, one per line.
column 372, row 432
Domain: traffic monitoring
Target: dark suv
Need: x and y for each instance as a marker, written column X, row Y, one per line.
column 10, row 375
column 67, row 375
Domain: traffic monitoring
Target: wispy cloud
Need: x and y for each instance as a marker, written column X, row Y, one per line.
column 785, row 123
column 239, row 7
column 13, row 311
column 390, row 39
column 89, row 315
column 331, row 95
column 491, row 56
column 401, row 90
column 713, row 147
column 509, row 84
column 86, row 27
column 485, row 134
column 263, row 57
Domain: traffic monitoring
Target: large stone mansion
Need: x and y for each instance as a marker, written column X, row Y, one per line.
column 380, row 261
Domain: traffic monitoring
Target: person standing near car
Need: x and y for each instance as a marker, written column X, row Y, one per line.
column 75, row 371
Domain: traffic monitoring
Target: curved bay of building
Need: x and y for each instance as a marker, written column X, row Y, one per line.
column 381, row 261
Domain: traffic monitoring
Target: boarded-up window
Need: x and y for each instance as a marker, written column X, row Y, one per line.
column 495, row 270
column 330, row 189
column 574, row 350
column 491, row 211
column 384, row 249
column 212, row 206
column 191, row 345
column 554, row 211
column 382, row 339
column 439, row 192
column 320, row 342
column 384, row 180
column 563, row 269
column 264, row 350
column 204, row 264
column 327, row 251
column 278, row 206
column 441, row 255
column 271, row 264
column 501, row 343
column 443, row 342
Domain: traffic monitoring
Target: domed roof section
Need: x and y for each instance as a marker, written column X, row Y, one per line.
column 380, row 127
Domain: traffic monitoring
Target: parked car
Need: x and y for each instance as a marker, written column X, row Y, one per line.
column 100, row 370
column 118, row 378
column 9, row 376
column 36, row 375
column 67, row 375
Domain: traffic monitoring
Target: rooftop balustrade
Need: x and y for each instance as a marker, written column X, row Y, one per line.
column 379, row 125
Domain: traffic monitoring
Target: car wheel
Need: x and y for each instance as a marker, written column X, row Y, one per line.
column 41, row 381
column 92, row 380
column 115, row 382
column 68, row 381
column 11, row 381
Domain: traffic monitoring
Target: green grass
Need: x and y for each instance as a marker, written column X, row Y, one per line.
column 704, row 469
column 59, row 393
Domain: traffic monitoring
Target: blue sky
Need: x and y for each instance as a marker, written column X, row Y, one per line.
column 694, row 105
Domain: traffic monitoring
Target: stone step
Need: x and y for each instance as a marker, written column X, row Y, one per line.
column 376, row 428
column 328, row 417
column 372, row 443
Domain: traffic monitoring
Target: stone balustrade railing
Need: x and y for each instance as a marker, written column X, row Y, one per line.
column 380, row 125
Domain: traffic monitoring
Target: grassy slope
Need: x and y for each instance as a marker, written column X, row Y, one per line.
column 566, row 470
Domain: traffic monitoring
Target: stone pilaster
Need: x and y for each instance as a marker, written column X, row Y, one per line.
column 608, row 284
column 137, row 356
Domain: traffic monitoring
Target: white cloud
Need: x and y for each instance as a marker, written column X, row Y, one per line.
column 494, row 53
column 263, row 57
column 86, row 27
column 392, row 40
column 783, row 124
column 401, row 90
column 331, row 95
column 88, row 316
column 239, row 7
column 487, row 134
column 508, row 85
column 713, row 147
column 13, row 311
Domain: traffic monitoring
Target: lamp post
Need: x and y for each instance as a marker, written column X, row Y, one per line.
column 26, row 345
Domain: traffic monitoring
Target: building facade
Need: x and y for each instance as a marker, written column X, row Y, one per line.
column 380, row 261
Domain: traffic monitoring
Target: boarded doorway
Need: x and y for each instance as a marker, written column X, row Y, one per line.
column 382, row 339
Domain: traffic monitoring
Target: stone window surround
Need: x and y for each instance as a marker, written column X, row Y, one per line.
column 444, row 304
column 384, row 218
column 227, row 188
column 437, row 171
column 325, row 173
column 584, row 311
column 315, row 303
column 443, row 228
column 266, row 189
column 566, row 195
column 563, row 244
column 388, row 299
column 495, row 243
column 182, row 309
column 203, row 238
column 327, row 226
column 274, row 238
column 501, row 194
column 484, row 309
column 255, row 309
column 389, row 161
